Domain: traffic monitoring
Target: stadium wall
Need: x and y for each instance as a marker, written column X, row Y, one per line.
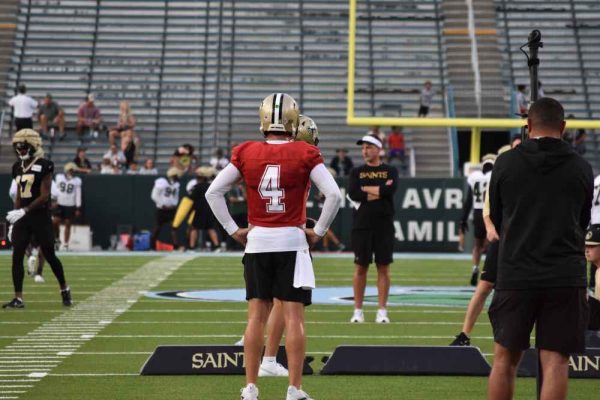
column 427, row 210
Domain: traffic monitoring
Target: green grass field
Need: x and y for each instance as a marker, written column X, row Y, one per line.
column 84, row 359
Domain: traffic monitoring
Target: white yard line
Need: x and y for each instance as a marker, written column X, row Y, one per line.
column 64, row 334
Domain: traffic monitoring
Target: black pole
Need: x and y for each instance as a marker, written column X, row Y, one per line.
column 534, row 43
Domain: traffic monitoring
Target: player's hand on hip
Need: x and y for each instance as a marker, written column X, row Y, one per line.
column 311, row 237
column 15, row 215
column 241, row 235
column 492, row 234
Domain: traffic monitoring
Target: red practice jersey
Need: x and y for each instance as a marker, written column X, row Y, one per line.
column 277, row 178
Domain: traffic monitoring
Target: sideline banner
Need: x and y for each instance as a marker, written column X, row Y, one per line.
column 426, row 220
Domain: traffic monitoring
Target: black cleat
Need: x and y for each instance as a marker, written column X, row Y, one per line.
column 66, row 297
column 461, row 340
column 14, row 303
column 474, row 276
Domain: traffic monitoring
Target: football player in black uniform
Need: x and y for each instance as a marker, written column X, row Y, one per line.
column 31, row 217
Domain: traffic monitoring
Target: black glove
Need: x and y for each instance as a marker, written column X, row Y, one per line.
column 463, row 226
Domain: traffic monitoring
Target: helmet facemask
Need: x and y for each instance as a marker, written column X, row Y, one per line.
column 24, row 150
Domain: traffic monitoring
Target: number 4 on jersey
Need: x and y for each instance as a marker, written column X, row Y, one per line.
column 269, row 189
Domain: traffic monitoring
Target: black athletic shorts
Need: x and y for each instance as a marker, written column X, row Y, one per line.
column 65, row 212
column 204, row 219
column 35, row 228
column 490, row 266
column 560, row 316
column 478, row 225
column 271, row 275
column 366, row 242
column 23, row 123
column 165, row 215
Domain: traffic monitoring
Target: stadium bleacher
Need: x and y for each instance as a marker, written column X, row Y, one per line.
column 195, row 71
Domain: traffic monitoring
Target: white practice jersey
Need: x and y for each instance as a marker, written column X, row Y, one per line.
column 69, row 190
column 478, row 181
column 12, row 192
column 596, row 202
column 165, row 194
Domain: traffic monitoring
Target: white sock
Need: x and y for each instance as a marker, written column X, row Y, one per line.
column 20, row 299
column 269, row 360
column 357, row 310
column 475, row 267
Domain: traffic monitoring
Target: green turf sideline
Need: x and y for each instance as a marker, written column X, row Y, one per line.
column 63, row 335
column 345, row 255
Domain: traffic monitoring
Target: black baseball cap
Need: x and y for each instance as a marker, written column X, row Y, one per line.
column 592, row 237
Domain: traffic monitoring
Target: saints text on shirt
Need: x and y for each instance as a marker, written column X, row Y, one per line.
column 373, row 175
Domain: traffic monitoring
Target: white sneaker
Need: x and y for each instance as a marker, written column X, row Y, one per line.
column 38, row 279
column 240, row 342
column 31, row 264
column 382, row 317
column 297, row 394
column 358, row 316
column 250, row 392
column 272, row 369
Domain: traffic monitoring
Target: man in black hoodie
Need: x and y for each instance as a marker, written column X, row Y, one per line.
column 540, row 201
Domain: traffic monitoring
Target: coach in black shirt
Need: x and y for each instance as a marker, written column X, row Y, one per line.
column 372, row 188
column 540, row 199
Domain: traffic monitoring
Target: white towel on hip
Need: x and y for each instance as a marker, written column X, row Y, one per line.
column 304, row 276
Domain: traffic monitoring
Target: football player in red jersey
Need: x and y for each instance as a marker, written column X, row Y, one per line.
column 277, row 264
column 309, row 133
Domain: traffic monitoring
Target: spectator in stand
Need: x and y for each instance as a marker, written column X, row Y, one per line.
column 23, row 108
column 133, row 169
column 184, row 159
column 426, row 98
column 88, row 118
column 540, row 90
column 124, row 130
column 148, row 168
column 219, row 161
column 51, row 117
column 376, row 131
column 106, row 168
column 397, row 148
column 116, row 157
column 341, row 163
column 84, row 166
column 522, row 99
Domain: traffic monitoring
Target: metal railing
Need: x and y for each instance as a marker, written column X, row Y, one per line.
column 440, row 50
column 452, row 131
column 160, row 78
